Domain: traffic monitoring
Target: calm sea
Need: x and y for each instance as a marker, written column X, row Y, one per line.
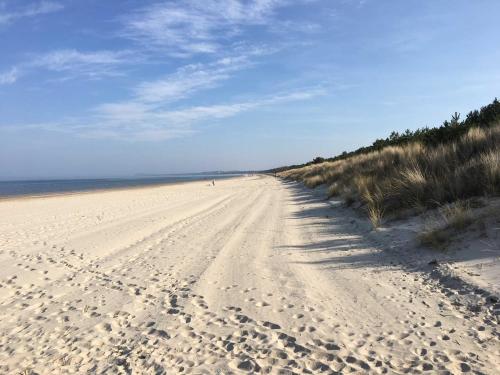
column 42, row 187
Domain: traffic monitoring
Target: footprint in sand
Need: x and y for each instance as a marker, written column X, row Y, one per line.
column 271, row 325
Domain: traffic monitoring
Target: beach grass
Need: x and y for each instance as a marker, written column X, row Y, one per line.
column 413, row 177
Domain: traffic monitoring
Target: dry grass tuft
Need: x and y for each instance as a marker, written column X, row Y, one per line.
column 452, row 219
column 434, row 238
column 374, row 204
column 375, row 214
column 458, row 215
column 313, row 181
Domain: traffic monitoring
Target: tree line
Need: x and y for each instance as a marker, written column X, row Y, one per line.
column 449, row 131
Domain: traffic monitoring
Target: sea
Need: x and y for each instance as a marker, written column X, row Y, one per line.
column 50, row 187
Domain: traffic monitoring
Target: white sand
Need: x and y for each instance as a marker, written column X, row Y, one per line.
column 246, row 276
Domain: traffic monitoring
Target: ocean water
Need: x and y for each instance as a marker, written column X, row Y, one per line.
column 43, row 187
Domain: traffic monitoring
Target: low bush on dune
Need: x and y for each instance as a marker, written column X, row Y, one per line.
column 416, row 175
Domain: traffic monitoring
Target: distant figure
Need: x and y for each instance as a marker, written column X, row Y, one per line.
column 213, row 182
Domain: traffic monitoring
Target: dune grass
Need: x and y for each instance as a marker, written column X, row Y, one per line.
column 412, row 177
column 451, row 219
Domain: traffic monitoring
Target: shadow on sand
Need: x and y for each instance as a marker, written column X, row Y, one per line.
column 343, row 238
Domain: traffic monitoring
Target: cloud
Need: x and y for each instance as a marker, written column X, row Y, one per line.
column 190, row 27
column 190, row 79
column 30, row 11
column 74, row 62
column 148, row 122
column 180, row 28
column 10, row 76
column 134, row 121
column 70, row 59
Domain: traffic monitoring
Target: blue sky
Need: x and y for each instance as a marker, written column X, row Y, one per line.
column 118, row 87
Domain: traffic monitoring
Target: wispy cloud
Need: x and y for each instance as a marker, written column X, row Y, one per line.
column 72, row 63
column 152, row 122
column 189, row 27
column 10, row 76
column 190, row 79
column 154, row 110
column 9, row 15
column 134, row 121
column 62, row 60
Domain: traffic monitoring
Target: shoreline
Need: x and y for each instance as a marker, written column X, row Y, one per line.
column 4, row 198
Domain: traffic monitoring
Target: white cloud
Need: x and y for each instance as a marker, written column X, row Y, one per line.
column 10, row 76
column 95, row 64
column 189, row 27
column 34, row 9
column 133, row 121
column 61, row 60
column 73, row 63
column 189, row 79
column 181, row 28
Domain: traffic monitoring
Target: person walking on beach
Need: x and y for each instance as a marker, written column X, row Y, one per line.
column 213, row 182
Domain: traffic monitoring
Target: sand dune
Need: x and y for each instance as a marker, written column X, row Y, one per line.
column 252, row 275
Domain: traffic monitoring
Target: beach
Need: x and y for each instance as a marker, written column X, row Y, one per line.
column 250, row 275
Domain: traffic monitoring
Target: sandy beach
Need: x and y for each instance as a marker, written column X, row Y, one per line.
column 252, row 275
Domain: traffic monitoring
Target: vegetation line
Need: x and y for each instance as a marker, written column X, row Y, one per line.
column 414, row 171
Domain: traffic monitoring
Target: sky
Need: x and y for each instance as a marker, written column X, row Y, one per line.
column 122, row 87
